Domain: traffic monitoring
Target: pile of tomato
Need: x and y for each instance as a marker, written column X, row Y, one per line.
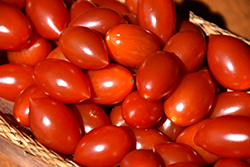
column 125, row 84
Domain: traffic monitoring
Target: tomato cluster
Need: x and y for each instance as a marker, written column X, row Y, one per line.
column 125, row 84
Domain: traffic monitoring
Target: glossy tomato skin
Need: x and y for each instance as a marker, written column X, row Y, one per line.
column 139, row 112
column 185, row 164
column 78, row 7
column 21, row 105
column 14, row 78
column 230, row 103
column 158, row 17
column 132, row 6
column 157, row 75
column 48, row 18
column 232, row 136
column 127, row 52
column 231, row 162
column 110, row 85
column 115, row 116
column 34, row 52
column 186, row 25
column 190, row 47
column 104, row 146
column 62, row 81
column 54, row 125
column 56, row 53
column 228, row 59
column 84, row 47
column 16, row 30
column 142, row 157
column 191, row 100
column 20, row 4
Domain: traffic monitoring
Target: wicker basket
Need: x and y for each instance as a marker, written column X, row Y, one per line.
column 21, row 137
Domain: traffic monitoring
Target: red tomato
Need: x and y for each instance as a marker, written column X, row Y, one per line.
column 190, row 47
column 48, row 18
column 230, row 103
column 141, row 113
column 34, row 52
column 185, row 164
column 191, row 100
column 145, row 138
column 21, row 105
column 90, row 115
column 131, row 18
column 110, row 85
column 228, row 59
column 142, row 157
column 103, row 146
column 16, row 29
column 54, row 125
column 78, row 7
column 173, row 153
column 56, row 53
column 14, row 78
column 187, row 137
column 84, row 47
column 186, row 25
column 130, row 44
column 157, row 75
column 100, row 19
column 158, row 17
column 232, row 136
column 132, row 6
column 62, row 81
column 20, row 4
column 230, row 162
column 115, row 116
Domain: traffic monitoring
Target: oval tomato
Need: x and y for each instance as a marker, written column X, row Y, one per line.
column 103, row 146
column 78, row 7
column 132, row 6
column 62, row 81
column 186, row 25
column 230, row 162
column 20, row 4
column 115, row 116
column 56, row 53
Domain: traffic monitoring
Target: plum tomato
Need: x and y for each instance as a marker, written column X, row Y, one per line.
column 56, row 53
column 157, row 75
column 142, row 157
column 14, row 78
column 186, row 25
column 130, row 44
column 139, row 112
column 132, row 6
column 90, row 115
column 78, row 7
column 145, row 138
column 228, row 59
column 21, row 104
column 84, row 47
column 185, row 164
column 230, row 162
column 54, row 125
column 232, row 136
column 103, row 146
column 16, row 29
column 190, row 47
column 48, row 18
column 35, row 51
column 100, row 19
column 191, row 100
column 131, row 18
column 20, row 4
column 230, row 103
column 62, row 81
column 115, row 116
column 110, row 85
column 172, row 153
column 158, row 17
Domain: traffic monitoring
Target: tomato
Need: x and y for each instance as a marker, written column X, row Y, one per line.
column 56, row 53
column 100, row 19
column 157, row 75
column 127, row 52
column 230, row 103
column 21, row 105
column 142, row 157
column 185, row 164
column 15, row 30
column 90, row 115
column 131, row 18
column 54, row 125
column 20, row 4
column 191, row 100
column 48, row 18
column 132, row 6
column 145, row 138
column 230, row 162
column 84, row 47
column 228, row 59
column 190, row 47
column 110, row 85
column 186, row 25
column 158, row 17
column 141, row 113
column 232, row 136
column 115, row 116
column 14, row 78
column 78, row 7
column 173, row 153
column 187, row 137
column 103, row 146
column 34, row 52
column 62, row 81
